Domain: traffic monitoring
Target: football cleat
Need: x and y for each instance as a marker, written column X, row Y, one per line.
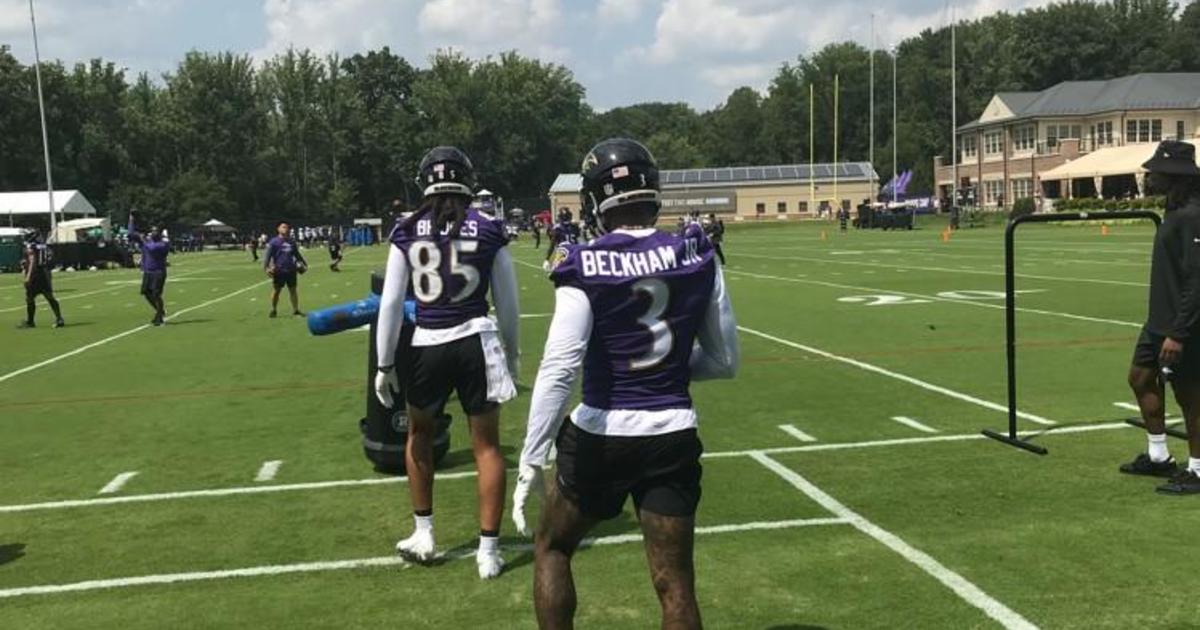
column 490, row 564
column 1146, row 467
column 418, row 548
column 1186, row 482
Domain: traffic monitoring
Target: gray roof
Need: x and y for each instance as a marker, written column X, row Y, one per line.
column 1148, row 91
column 731, row 175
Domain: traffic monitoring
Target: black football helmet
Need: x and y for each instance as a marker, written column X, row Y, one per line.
column 564, row 215
column 618, row 172
column 446, row 170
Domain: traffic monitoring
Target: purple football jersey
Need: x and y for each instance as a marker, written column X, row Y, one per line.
column 648, row 295
column 283, row 253
column 450, row 276
column 564, row 233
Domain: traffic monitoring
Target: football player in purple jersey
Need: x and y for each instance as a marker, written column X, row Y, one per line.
column 644, row 313
column 283, row 262
column 564, row 232
column 451, row 255
column 154, row 267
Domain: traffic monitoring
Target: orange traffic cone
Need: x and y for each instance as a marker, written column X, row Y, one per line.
column 823, row 235
column 946, row 235
column 1103, row 230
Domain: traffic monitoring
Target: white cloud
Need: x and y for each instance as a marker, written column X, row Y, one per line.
column 488, row 21
column 332, row 25
column 619, row 11
column 728, row 77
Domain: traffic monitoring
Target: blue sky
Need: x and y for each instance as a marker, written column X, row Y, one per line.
column 622, row 51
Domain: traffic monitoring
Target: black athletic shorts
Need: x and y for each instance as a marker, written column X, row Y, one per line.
column 661, row 472
column 1149, row 344
column 39, row 284
column 282, row 279
column 459, row 366
column 153, row 283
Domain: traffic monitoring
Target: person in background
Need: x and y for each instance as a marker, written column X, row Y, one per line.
column 537, row 234
column 283, row 262
column 335, row 253
column 1166, row 348
column 714, row 228
column 37, row 279
column 154, row 267
column 254, row 248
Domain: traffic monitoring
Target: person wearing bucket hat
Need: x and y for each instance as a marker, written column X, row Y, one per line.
column 1168, row 348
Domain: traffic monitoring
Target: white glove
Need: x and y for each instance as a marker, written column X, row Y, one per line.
column 386, row 386
column 529, row 480
column 546, row 265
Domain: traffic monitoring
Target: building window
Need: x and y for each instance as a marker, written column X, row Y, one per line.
column 760, row 208
column 1143, row 130
column 1179, row 130
column 1102, row 133
column 993, row 191
column 1024, row 138
column 1055, row 133
column 993, row 143
column 969, row 149
column 803, row 207
column 781, row 207
column 1022, row 187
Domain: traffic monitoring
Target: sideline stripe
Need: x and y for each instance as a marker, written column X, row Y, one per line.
column 118, row 482
column 896, row 375
column 124, row 286
column 382, row 561
column 268, row 470
column 946, row 270
column 258, row 489
column 796, row 433
column 962, row 587
column 106, row 340
column 909, row 422
column 937, row 298
column 1133, row 407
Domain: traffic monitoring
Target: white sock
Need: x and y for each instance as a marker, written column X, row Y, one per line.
column 1158, row 447
column 489, row 544
column 423, row 523
column 1194, row 465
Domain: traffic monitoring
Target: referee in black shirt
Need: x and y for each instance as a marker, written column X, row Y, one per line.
column 1168, row 349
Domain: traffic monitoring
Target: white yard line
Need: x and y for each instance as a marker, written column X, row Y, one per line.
column 913, row 424
column 118, row 482
column 364, row 563
column 796, row 433
column 937, row 298
column 125, row 284
column 107, row 340
column 964, row 588
column 1135, row 408
column 268, row 470
column 373, row 481
column 979, row 272
column 938, row 389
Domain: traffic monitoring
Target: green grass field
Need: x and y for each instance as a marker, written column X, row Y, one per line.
column 820, row 509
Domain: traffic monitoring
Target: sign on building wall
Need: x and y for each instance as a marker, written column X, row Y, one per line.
column 708, row 200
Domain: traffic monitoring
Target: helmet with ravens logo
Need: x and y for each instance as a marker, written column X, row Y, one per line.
column 618, row 173
column 446, row 170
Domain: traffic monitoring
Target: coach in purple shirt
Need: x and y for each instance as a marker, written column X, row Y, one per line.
column 154, row 267
column 283, row 262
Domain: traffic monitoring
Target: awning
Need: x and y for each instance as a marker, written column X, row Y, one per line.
column 213, row 225
column 1126, row 160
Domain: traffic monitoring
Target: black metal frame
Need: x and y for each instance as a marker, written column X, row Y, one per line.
column 1010, row 307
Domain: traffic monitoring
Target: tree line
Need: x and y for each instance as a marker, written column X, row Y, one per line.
column 318, row 139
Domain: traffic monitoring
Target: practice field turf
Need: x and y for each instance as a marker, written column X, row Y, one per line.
column 845, row 486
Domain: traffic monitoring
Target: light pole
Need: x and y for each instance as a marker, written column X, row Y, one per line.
column 895, row 130
column 37, row 70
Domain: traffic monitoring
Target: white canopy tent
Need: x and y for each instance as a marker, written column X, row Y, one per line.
column 35, row 203
column 215, row 226
column 79, row 230
column 1110, row 162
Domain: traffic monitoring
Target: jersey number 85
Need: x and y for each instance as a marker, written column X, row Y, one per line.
column 425, row 258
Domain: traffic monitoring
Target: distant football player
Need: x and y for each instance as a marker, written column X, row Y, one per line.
column 714, row 228
column 154, row 267
column 1168, row 348
column 537, row 234
column 36, row 277
column 629, row 308
column 451, row 255
column 564, row 232
column 283, row 262
column 335, row 252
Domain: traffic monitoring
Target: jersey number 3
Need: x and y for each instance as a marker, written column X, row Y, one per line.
column 426, row 260
column 663, row 338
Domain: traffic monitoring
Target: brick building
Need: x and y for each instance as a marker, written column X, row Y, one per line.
column 1075, row 139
